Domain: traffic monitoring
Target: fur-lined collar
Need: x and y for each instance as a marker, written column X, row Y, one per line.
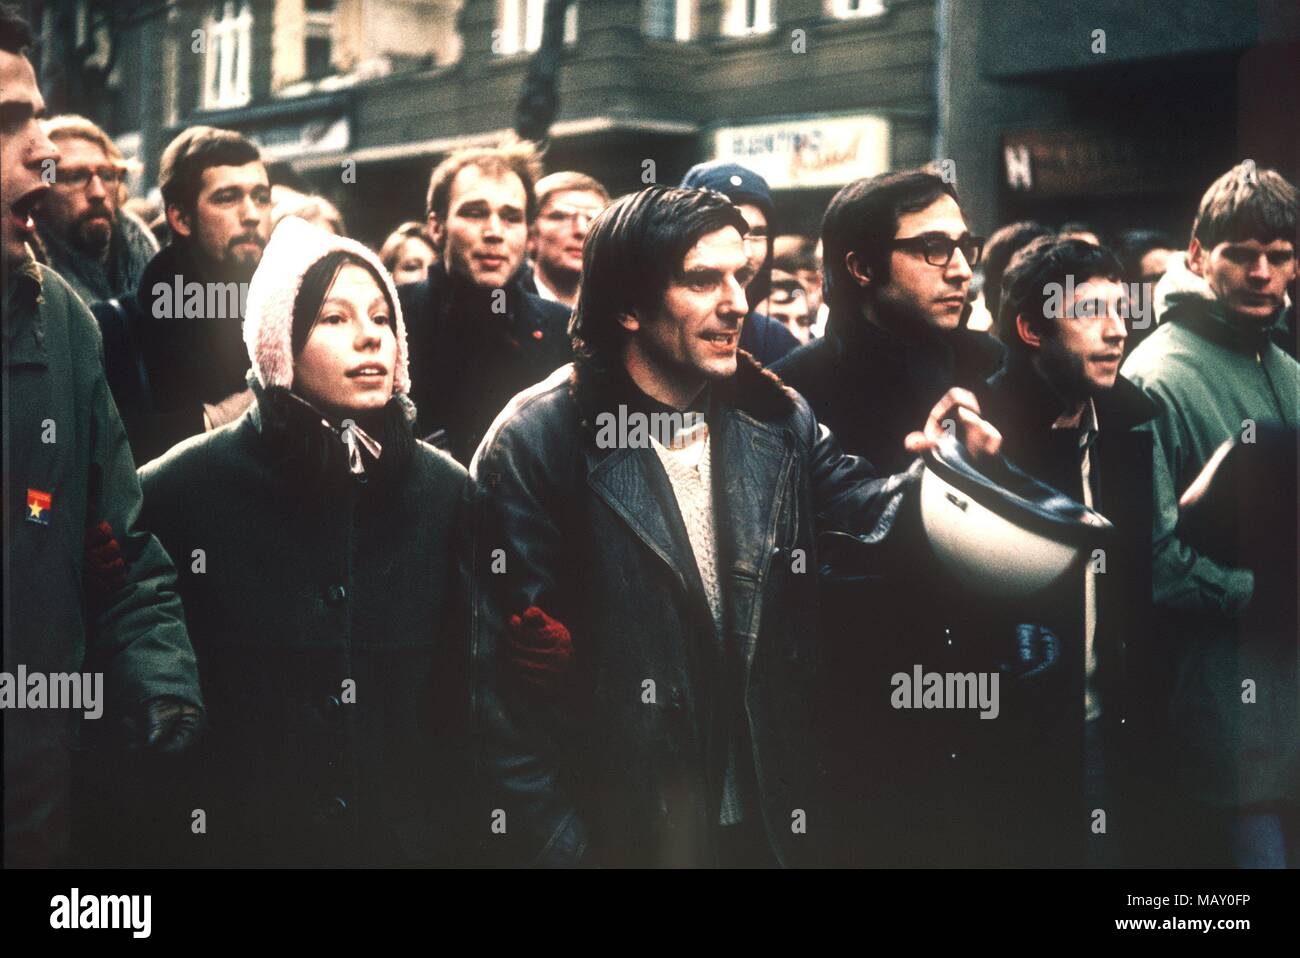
column 752, row 389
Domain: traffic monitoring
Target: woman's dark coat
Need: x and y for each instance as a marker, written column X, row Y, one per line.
column 328, row 618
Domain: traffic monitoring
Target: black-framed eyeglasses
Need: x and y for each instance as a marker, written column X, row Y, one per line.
column 937, row 248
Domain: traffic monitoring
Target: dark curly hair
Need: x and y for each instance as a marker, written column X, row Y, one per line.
column 1032, row 271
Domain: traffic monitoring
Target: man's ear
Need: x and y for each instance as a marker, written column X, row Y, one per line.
column 178, row 221
column 1196, row 257
column 1026, row 332
column 629, row 322
column 860, row 273
column 436, row 232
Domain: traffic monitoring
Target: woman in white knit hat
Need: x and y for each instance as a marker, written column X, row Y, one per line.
column 320, row 562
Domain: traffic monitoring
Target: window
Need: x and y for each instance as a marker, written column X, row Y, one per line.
column 668, row 19
column 171, row 90
column 849, row 9
column 744, row 17
column 319, row 38
column 520, row 27
column 229, row 48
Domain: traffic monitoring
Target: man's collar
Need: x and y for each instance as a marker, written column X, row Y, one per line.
column 1037, row 402
column 543, row 290
column 1217, row 325
column 638, row 400
column 1087, row 422
column 23, row 283
column 902, row 345
column 458, row 289
column 24, row 326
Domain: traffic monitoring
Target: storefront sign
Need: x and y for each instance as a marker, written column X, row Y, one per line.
column 293, row 140
column 1075, row 162
column 814, row 152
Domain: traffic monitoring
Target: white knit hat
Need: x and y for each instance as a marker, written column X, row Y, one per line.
column 268, row 316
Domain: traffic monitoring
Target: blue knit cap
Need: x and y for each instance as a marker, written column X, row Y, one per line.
column 738, row 183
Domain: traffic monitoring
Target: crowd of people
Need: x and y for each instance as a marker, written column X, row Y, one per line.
column 369, row 587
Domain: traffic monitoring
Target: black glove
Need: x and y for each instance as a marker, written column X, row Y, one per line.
column 1035, row 652
column 170, row 725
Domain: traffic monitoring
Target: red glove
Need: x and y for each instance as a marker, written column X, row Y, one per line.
column 104, row 567
column 541, row 649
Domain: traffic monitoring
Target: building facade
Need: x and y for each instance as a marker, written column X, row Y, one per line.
column 360, row 98
column 1114, row 112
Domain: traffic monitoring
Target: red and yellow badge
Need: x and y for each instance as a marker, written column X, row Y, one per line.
column 39, row 506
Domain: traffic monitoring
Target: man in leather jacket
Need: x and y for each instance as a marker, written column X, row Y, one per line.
column 648, row 658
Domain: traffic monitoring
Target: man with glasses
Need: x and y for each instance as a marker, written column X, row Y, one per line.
column 567, row 202
column 898, row 261
column 93, row 243
column 898, row 257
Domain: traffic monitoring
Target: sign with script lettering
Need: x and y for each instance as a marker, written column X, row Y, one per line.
column 829, row 151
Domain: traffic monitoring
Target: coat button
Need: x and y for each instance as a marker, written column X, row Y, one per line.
column 336, row 807
column 336, row 595
column 331, row 706
column 676, row 699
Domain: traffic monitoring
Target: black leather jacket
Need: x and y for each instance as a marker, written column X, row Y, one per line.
column 612, row 769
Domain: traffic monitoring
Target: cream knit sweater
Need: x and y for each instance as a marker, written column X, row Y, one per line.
column 689, row 472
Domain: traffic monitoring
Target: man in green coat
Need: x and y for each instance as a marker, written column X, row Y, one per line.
column 1216, row 375
column 82, row 586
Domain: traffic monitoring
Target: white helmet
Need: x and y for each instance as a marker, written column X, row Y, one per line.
column 999, row 530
